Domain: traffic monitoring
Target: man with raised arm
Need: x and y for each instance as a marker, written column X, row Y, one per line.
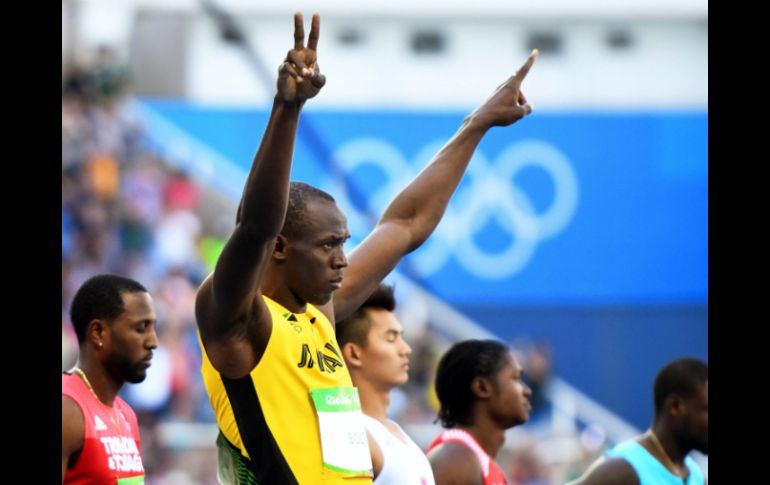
column 282, row 395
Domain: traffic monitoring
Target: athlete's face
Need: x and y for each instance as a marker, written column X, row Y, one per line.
column 385, row 359
column 695, row 420
column 131, row 338
column 510, row 405
column 315, row 258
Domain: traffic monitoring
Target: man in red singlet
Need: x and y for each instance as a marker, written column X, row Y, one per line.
column 480, row 388
column 114, row 321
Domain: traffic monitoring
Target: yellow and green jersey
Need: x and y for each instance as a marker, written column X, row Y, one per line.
column 269, row 429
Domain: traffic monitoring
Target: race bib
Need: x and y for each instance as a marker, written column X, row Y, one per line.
column 344, row 446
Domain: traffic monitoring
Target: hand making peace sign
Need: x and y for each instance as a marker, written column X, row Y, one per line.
column 298, row 77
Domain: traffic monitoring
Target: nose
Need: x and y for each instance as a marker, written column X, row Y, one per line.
column 152, row 339
column 340, row 260
column 527, row 390
column 406, row 349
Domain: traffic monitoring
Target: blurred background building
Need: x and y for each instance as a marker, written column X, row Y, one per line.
column 579, row 236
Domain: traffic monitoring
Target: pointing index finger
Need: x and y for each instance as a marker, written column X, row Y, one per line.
column 522, row 72
column 299, row 32
column 315, row 29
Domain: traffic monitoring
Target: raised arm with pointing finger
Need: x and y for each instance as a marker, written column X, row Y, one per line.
column 285, row 405
column 416, row 211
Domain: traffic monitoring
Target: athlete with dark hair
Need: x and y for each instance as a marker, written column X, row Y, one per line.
column 373, row 345
column 114, row 322
column 680, row 425
column 479, row 385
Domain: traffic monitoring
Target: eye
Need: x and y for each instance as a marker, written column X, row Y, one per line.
column 328, row 245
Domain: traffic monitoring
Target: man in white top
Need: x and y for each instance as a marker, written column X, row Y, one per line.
column 377, row 356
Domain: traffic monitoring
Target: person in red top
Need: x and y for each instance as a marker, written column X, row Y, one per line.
column 114, row 321
column 479, row 386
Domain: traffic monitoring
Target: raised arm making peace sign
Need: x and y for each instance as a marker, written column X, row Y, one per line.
column 298, row 77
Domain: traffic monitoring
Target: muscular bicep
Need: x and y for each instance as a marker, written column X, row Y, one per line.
column 369, row 263
column 234, row 322
column 227, row 294
column 72, row 433
column 609, row 471
column 454, row 464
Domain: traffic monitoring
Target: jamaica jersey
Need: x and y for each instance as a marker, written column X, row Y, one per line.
column 269, row 429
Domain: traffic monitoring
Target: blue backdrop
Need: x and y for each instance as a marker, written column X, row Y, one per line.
column 586, row 229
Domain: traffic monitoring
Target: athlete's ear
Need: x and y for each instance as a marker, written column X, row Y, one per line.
column 482, row 387
column 279, row 249
column 98, row 332
column 352, row 354
column 674, row 405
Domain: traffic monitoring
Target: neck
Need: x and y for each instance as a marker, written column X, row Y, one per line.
column 673, row 449
column 102, row 383
column 274, row 287
column 488, row 435
column 374, row 401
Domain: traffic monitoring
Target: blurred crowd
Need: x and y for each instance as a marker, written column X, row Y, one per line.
column 127, row 210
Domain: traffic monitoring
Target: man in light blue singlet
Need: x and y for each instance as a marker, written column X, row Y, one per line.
column 680, row 425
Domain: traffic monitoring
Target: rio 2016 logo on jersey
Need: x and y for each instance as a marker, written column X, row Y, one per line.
column 325, row 362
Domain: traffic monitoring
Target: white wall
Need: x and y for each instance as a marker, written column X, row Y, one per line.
column 665, row 66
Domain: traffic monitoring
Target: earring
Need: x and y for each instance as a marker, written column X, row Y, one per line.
column 99, row 344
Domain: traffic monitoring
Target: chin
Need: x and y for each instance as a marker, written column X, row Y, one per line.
column 322, row 299
column 136, row 377
column 521, row 419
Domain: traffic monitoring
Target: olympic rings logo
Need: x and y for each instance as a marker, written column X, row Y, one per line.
column 487, row 193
